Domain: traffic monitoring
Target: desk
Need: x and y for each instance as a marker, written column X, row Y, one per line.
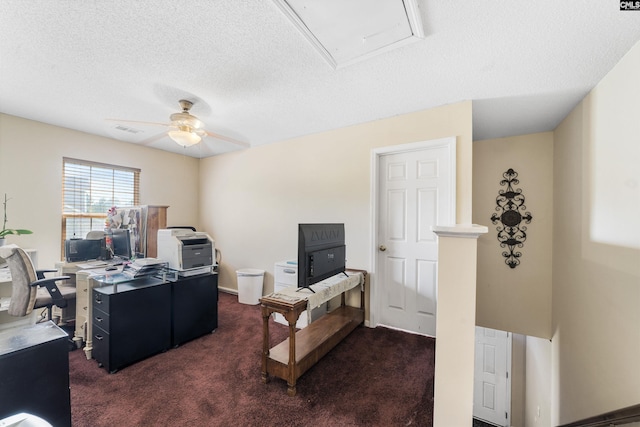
column 139, row 318
column 81, row 309
column 298, row 353
column 34, row 368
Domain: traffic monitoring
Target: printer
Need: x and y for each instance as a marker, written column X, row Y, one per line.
column 184, row 249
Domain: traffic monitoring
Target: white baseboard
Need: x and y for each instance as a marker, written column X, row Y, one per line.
column 228, row 290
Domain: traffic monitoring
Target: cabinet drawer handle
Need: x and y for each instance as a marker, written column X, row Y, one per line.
column 98, row 301
column 98, row 319
column 289, row 271
column 98, row 337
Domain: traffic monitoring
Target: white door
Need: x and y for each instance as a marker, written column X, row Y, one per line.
column 416, row 190
column 491, row 383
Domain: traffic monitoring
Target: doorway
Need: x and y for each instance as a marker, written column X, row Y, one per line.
column 413, row 189
column 492, row 376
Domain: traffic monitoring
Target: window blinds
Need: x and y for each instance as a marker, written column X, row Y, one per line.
column 89, row 190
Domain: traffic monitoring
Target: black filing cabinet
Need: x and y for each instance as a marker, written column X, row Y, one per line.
column 34, row 373
column 131, row 321
column 195, row 307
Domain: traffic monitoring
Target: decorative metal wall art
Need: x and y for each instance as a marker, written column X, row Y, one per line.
column 511, row 214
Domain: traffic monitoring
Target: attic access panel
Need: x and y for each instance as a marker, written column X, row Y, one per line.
column 347, row 31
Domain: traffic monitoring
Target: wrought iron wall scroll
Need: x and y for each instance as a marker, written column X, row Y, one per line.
column 511, row 214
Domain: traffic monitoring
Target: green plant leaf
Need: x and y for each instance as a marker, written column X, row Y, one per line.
column 8, row 231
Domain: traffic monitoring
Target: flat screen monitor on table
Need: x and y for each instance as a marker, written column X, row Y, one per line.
column 76, row 250
column 321, row 252
column 121, row 243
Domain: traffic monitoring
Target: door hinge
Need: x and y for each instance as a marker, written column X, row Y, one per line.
column 507, row 374
column 506, row 415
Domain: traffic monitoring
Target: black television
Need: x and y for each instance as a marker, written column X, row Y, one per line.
column 321, row 253
column 121, row 243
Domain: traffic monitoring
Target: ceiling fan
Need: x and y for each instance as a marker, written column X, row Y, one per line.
column 186, row 129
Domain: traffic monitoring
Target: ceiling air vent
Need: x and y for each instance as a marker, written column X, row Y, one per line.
column 127, row 129
column 348, row 31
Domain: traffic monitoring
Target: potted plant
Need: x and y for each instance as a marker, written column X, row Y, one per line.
column 6, row 231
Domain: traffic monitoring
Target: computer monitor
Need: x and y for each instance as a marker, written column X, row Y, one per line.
column 121, row 243
column 321, row 252
column 76, row 250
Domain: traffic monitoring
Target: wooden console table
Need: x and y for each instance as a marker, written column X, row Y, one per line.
column 303, row 349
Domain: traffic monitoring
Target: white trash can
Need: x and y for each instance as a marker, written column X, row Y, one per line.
column 250, row 285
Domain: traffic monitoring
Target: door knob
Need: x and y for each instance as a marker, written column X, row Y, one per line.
column 382, row 248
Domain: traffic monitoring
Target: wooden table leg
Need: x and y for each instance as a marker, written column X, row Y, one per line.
column 266, row 313
column 291, row 389
column 292, row 318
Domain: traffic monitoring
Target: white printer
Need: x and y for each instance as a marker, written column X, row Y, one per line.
column 186, row 250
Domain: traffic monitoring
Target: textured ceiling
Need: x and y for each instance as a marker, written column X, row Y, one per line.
column 253, row 76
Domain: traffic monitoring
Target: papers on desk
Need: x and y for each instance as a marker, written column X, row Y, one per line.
column 91, row 264
column 145, row 267
column 139, row 268
column 143, row 262
column 137, row 264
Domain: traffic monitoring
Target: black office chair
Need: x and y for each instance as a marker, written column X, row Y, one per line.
column 50, row 294
column 30, row 289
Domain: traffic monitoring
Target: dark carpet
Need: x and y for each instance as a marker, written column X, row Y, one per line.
column 374, row 377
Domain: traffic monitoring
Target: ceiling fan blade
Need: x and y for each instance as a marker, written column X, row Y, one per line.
column 228, row 139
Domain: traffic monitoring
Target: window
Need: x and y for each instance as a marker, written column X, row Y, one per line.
column 89, row 189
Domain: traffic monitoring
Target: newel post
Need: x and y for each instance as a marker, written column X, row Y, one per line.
column 455, row 324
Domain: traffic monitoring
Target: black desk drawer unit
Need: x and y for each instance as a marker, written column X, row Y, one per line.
column 194, row 307
column 144, row 317
column 131, row 322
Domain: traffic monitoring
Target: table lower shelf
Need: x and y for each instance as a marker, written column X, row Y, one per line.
column 313, row 342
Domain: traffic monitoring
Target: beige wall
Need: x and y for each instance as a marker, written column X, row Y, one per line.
column 31, row 174
column 519, row 299
column 253, row 200
column 538, row 383
column 596, row 284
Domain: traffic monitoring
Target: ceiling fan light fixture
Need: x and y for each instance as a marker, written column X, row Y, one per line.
column 185, row 137
column 184, row 129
